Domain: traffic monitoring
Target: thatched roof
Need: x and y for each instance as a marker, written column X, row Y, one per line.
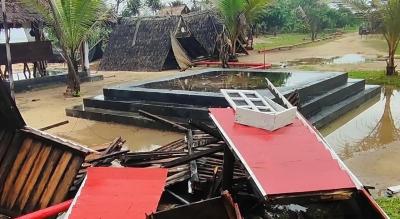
column 139, row 44
column 176, row 10
column 144, row 44
column 18, row 14
column 205, row 26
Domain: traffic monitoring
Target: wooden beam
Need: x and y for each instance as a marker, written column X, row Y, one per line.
column 228, row 167
column 54, row 125
column 165, row 121
column 194, row 176
column 193, row 156
column 205, row 128
column 8, row 50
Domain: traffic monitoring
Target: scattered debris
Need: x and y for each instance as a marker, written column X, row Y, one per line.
column 54, row 125
column 393, row 190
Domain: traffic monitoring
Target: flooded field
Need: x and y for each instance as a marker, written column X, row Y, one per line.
column 368, row 140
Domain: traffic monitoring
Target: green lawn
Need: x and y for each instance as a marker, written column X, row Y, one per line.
column 285, row 39
column 391, row 206
column 376, row 77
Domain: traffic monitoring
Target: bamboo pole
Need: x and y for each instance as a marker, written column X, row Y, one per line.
column 8, row 50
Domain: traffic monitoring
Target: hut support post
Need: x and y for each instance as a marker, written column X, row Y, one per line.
column 228, row 167
column 85, row 58
column 8, row 50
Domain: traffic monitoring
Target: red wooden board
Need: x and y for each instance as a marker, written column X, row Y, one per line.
column 288, row 160
column 119, row 193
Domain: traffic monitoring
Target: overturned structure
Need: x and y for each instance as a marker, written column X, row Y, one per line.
column 161, row 43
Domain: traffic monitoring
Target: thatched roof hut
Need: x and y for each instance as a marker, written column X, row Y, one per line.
column 205, row 27
column 173, row 10
column 19, row 15
column 144, row 44
column 140, row 44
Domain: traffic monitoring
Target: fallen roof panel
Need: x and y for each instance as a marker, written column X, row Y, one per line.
column 286, row 161
column 119, row 193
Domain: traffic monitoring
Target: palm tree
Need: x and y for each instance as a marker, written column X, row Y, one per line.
column 71, row 22
column 391, row 31
column 237, row 14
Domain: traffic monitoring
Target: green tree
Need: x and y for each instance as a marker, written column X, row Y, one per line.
column 237, row 14
column 154, row 5
column 72, row 22
column 132, row 8
column 391, row 31
column 314, row 15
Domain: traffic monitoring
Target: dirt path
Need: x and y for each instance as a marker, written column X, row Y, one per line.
column 348, row 44
column 45, row 107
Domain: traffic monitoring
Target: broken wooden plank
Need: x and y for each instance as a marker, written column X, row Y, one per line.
column 205, row 128
column 10, row 179
column 54, row 125
column 57, row 174
column 165, row 121
column 23, row 174
column 33, row 176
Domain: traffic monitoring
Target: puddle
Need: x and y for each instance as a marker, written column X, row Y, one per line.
column 372, row 129
column 338, row 60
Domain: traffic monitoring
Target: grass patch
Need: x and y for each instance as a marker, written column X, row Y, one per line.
column 376, row 77
column 391, row 206
column 379, row 43
column 285, row 39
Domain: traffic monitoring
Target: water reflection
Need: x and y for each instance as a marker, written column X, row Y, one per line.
column 371, row 129
column 216, row 80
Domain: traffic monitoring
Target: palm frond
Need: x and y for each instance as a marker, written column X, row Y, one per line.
column 230, row 10
column 254, row 8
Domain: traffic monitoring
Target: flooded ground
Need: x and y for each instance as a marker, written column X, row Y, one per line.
column 368, row 140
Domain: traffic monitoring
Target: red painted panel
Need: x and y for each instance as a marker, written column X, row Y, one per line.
column 120, row 193
column 288, row 160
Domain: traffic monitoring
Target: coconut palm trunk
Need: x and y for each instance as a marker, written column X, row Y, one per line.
column 390, row 63
column 72, row 22
column 391, row 32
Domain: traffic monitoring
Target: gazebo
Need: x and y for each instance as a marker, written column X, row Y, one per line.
column 36, row 50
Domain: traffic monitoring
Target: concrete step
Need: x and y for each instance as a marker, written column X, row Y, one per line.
column 332, row 97
column 330, row 113
column 158, row 108
column 307, row 90
column 121, row 117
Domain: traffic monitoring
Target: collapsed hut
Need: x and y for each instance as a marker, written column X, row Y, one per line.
column 35, row 50
column 161, row 43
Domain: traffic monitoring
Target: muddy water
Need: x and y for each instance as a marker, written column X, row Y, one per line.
column 371, row 129
column 338, row 60
column 93, row 133
column 368, row 140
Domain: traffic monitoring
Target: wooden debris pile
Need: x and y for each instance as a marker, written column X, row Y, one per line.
column 103, row 156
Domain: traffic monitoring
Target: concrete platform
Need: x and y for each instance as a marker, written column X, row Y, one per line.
column 323, row 97
column 48, row 81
